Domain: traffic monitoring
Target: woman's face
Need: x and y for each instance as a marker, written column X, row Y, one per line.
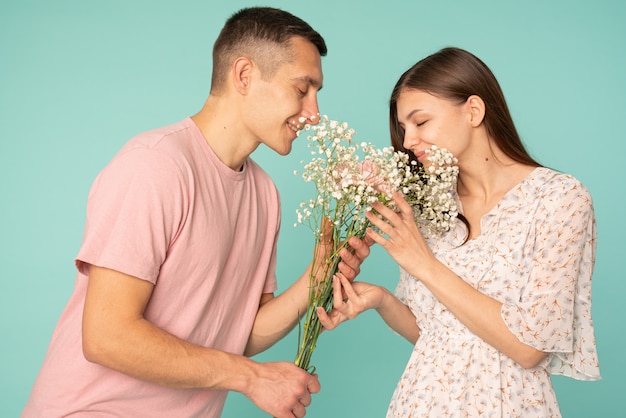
column 429, row 120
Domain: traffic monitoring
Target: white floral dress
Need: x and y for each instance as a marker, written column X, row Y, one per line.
column 535, row 254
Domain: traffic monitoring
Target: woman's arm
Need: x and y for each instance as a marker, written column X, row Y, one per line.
column 361, row 296
column 479, row 312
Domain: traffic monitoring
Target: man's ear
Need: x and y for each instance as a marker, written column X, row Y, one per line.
column 241, row 73
column 476, row 110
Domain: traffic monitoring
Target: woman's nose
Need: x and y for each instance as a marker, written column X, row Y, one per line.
column 410, row 139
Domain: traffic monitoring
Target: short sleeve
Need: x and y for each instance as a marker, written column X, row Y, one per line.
column 554, row 311
column 402, row 287
column 134, row 211
column 271, row 282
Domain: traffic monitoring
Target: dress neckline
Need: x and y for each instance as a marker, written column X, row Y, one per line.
column 487, row 219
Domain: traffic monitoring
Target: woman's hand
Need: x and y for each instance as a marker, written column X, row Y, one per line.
column 350, row 299
column 404, row 241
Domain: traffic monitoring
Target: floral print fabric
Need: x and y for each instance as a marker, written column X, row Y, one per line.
column 535, row 255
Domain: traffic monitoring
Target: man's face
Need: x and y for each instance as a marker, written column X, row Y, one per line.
column 277, row 108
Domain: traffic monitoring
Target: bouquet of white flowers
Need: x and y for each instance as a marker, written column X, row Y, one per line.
column 348, row 178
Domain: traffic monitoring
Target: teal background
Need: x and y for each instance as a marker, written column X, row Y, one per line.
column 79, row 78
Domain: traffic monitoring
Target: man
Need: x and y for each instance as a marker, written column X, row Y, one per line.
column 176, row 272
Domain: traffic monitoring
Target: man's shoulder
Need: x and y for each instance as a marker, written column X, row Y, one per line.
column 154, row 137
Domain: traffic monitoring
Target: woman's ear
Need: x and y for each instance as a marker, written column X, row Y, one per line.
column 476, row 107
column 241, row 72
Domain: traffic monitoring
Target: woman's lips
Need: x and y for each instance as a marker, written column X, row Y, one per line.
column 420, row 155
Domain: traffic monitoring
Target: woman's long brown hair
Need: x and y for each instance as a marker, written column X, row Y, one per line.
column 455, row 74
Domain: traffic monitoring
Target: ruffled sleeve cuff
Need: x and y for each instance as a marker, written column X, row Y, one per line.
column 573, row 352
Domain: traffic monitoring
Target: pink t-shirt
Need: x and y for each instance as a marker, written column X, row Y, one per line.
column 167, row 210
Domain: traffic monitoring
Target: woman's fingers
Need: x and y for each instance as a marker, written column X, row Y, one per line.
column 347, row 288
column 337, row 292
column 379, row 223
column 385, row 212
column 341, row 310
column 403, row 205
column 397, row 226
column 389, row 216
column 336, row 317
column 325, row 319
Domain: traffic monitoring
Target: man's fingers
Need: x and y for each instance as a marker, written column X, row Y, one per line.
column 326, row 231
column 314, row 385
column 360, row 248
column 306, row 399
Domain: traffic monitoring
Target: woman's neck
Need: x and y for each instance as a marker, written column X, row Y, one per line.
column 487, row 176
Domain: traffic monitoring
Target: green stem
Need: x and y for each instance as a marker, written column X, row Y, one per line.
column 321, row 294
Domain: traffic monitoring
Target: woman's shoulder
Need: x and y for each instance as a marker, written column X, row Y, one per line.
column 550, row 185
column 544, row 178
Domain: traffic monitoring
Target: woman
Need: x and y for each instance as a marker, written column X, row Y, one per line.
column 503, row 299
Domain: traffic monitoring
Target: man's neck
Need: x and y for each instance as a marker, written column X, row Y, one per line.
column 224, row 132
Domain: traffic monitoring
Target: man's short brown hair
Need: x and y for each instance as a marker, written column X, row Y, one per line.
column 262, row 34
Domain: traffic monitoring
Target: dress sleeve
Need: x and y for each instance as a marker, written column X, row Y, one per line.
column 554, row 311
column 401, row 291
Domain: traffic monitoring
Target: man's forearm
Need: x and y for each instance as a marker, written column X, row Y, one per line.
column 277, row 316
column 146, row 352
column 116, row 335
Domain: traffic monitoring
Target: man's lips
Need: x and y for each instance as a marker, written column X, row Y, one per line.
column 294, row 129
column 296, row 126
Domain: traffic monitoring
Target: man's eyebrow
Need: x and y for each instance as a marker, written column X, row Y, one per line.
column 315, row 83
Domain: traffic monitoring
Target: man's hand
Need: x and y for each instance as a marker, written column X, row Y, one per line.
column 278, row 315
column 352, row 255
column 282, row 389
column 351, row 260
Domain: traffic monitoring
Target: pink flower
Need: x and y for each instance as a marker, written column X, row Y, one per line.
column 344, row 176
column 370, row 173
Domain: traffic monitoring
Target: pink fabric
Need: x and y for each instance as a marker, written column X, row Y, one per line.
column 167, row 210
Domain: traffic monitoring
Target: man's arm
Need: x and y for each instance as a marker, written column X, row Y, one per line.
column 277, row 316
column 116, row 335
